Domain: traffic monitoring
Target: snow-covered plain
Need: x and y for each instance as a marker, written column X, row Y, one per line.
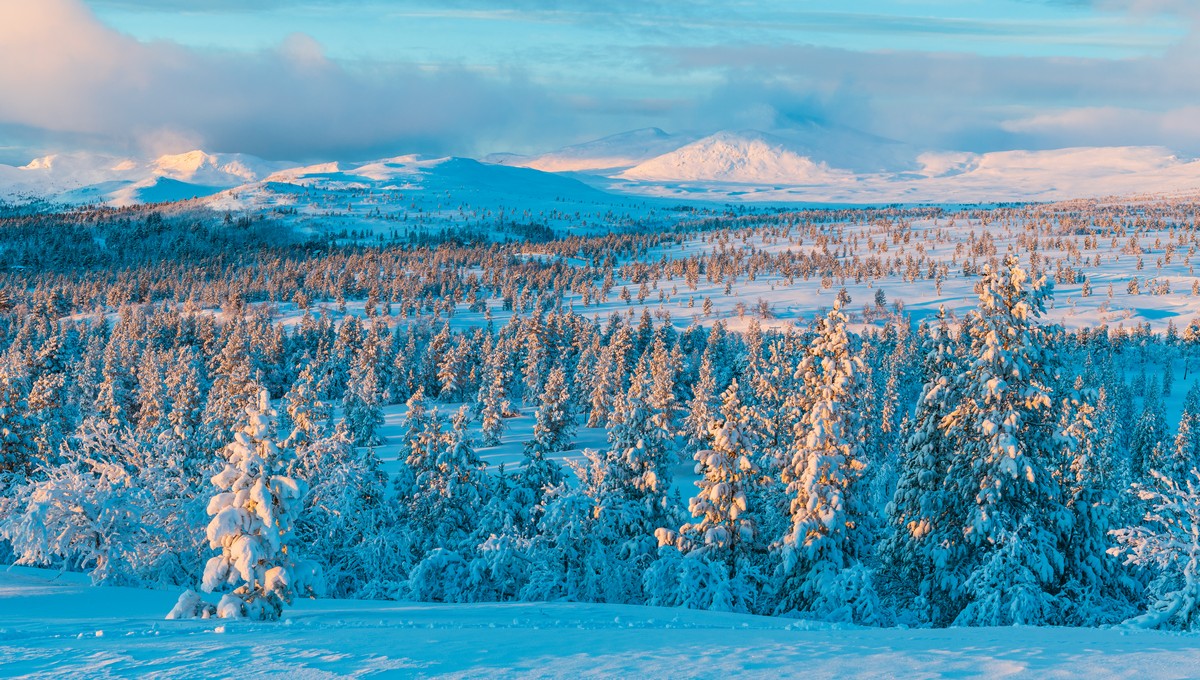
column 56, row 626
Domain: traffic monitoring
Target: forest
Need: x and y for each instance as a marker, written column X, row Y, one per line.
column 887, row 416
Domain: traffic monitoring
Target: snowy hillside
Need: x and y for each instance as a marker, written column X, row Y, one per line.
column 413, row 193
column 54, row 625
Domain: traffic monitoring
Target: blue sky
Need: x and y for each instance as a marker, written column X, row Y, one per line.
column 306, row 79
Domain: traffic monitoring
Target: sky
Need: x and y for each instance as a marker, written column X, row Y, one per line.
column 339, row 79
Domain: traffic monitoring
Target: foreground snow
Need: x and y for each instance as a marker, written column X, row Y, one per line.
column 58, row 626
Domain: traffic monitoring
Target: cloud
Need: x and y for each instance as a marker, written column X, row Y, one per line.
column 1174, row 128
column 953, row 100
column 67, row 74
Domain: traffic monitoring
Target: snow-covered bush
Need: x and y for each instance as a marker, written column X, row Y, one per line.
column 1169, row 542
column 121, row 510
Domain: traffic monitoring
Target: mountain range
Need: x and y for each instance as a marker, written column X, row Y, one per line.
column 810, row 163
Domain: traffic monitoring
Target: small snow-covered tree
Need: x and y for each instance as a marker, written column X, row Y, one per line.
column 252, row 519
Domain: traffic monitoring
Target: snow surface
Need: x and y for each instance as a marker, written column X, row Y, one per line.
column 57, row 626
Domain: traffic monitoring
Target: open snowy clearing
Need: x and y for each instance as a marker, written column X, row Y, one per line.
column 58, row 626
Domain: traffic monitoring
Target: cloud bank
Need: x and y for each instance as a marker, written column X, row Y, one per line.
column 69, row 75
column 69, row 80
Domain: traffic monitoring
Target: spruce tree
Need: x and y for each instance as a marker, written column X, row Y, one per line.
column 822, row 557
column 253, row 514
column 1003, row 427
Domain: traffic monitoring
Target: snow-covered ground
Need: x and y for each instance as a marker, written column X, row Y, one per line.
column 56, row 626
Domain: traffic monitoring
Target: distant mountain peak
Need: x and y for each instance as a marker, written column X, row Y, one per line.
column 742, row 157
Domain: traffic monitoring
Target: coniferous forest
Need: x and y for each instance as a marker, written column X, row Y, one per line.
column 929, row 436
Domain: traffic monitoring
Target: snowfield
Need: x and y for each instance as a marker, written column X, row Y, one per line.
column 58, row 626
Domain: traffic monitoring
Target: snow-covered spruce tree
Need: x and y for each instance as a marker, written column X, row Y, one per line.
column 713, row 562
column 492, row 406
column 1148, row 444
column 417, row 444
column 578, row 551
column 1168, row 542
column 1185, row 455
column 822, row 570
column 308, row 415
column 554, row 424
column 1095, row 590
column 640, row 449
column 596, row 538
column 364, row 399
column 453, row 490
column 344, row 518
column 252, row 519
column 924, row 549
column 704, row 405
column 232, row 385
column 1004, row 429
column 17, row 447
column 501, row 566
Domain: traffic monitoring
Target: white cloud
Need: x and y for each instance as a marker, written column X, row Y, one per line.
column 66, row 73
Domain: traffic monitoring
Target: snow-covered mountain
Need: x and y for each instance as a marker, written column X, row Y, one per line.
column 741, row 158
column 100, row 178
column 802, row 164
column 612, row 153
